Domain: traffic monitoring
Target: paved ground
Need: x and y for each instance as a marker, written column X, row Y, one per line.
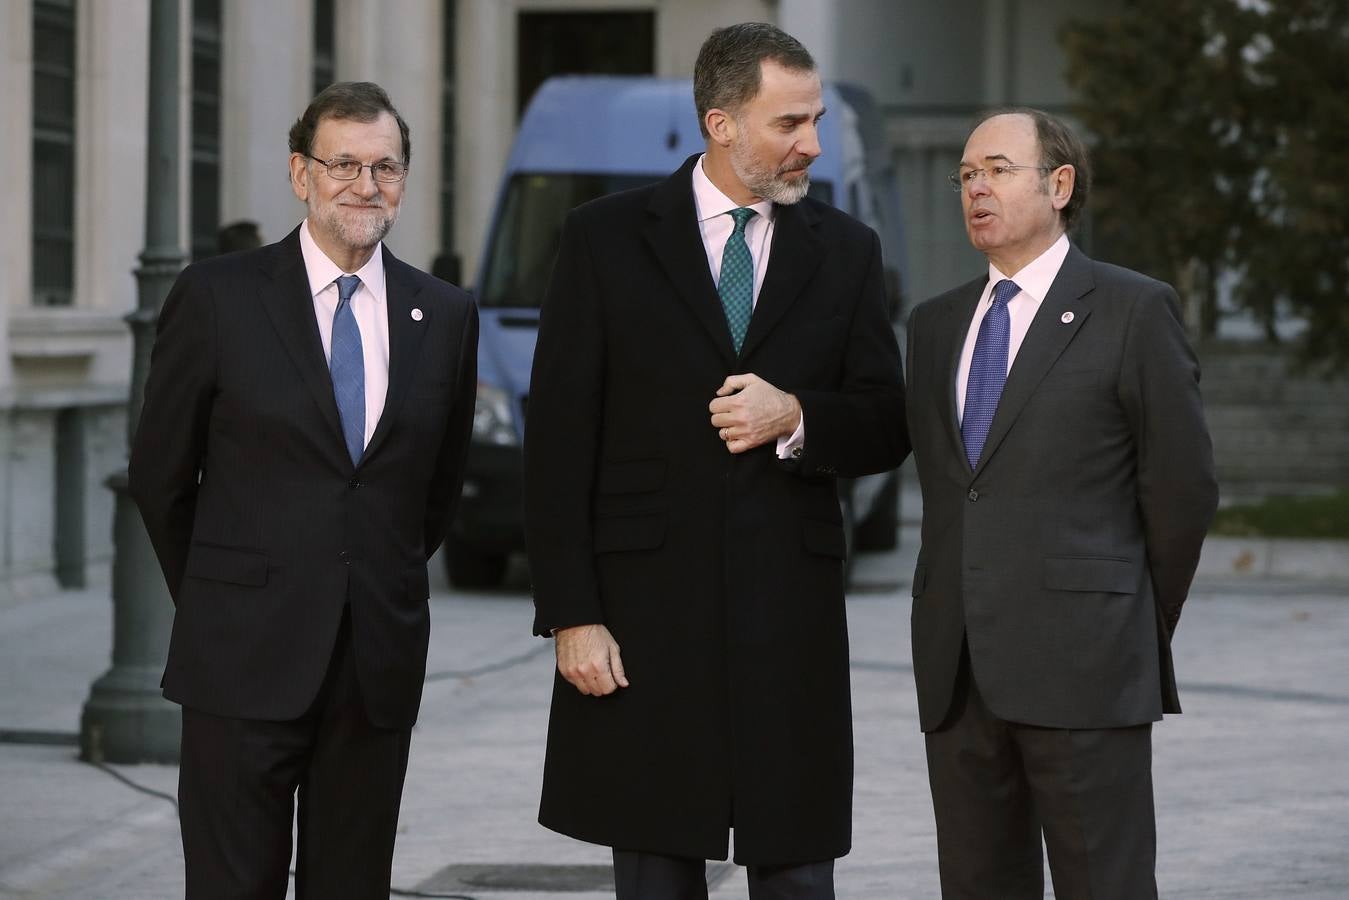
column 1252, row 782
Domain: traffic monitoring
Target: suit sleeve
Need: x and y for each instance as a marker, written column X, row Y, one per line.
column 562, row 439
column 170, row 440
column 1177, row 488
column 448, row 481
column 859, row 427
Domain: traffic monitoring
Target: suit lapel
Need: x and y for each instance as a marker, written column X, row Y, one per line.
column 671, row 231
column 291, row 309
column 1044, row 342
column 405, row 343
column 950, row 342
column 795, row 255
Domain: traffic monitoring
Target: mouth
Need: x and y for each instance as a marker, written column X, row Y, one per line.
column 980, row 216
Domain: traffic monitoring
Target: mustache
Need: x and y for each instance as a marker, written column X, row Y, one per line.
column 796, row 165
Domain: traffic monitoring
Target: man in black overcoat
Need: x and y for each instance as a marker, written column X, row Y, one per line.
column 297, row 459
column 713, row 351
column 1067, row 479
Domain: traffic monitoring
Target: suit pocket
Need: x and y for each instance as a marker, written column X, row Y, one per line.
column 823, row 538
column 634, row 476
column 616, row 534
column 1094, row 574
column 245, row 567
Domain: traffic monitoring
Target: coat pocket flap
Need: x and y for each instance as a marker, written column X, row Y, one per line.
column 246, row 567
column 824, row 538
column 614, row 534
column 919, row 579
column 634, row 476
column 1091, row 573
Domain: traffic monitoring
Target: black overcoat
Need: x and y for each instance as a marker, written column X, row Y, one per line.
column 720, row 576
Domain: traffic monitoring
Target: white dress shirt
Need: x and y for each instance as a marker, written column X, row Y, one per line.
column 369, row 307
column 716, row 226
column 1034, row 279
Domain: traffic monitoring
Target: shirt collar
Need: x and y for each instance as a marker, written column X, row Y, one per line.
column 322, row 271
column 710, row 202
column 1036, row 277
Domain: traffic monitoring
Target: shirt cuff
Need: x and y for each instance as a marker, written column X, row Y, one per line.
column 790, row 447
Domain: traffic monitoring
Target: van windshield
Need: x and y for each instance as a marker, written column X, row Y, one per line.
column 530, row 227
column 527, row 233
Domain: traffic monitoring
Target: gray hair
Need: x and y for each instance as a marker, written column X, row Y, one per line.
column 727, row 73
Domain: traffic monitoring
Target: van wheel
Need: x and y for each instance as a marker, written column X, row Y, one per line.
column 880, row 529
column 469, row 568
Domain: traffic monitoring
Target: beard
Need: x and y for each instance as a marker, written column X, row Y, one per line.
column 355, row 229
column 765, row 181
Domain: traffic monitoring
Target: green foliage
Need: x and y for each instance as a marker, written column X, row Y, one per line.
column 1220, row 126
column 1300, row 517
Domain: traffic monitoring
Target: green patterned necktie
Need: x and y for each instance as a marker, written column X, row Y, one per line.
column 736, row 285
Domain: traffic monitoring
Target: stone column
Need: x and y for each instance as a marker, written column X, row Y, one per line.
column 125, row 719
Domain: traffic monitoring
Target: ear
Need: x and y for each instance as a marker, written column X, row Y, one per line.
column 1061, row 182
column 299, row 175
column 721, row 128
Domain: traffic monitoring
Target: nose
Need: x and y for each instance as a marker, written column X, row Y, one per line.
column 978, row 185
column 365, row 184
column 809, row 143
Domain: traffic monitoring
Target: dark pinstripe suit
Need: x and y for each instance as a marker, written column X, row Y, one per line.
column 282, row 548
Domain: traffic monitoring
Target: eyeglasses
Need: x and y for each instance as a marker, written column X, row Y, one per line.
column 343, row 169
column 993, row 175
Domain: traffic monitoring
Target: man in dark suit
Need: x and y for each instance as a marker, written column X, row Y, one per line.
column 298, row 456
column 1067, row 480
column 713, row 351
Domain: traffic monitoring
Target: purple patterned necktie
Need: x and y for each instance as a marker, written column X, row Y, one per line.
column 988, row 371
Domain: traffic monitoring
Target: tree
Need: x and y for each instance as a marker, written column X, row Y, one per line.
column 1216, row 123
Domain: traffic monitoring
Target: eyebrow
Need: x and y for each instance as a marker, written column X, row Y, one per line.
column 799, row 117
column 987, row 159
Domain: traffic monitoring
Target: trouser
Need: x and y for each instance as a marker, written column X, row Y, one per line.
column 237, row 790
column 998, row 785
column 652, row 876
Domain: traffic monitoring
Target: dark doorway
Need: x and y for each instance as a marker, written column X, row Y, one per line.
column 582, row 43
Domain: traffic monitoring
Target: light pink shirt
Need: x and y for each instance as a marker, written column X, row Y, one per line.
column 715, row 227
column 1034, row 279
column 371, row 311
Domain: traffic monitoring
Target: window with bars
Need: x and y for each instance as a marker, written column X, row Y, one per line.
column 447, row 132
column 205, row 172
column 53, row 152
column 325, row 44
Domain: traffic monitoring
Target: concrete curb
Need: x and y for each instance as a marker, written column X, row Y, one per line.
column 1307, row 559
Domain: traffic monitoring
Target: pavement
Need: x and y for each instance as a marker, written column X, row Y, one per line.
column 1252, row 782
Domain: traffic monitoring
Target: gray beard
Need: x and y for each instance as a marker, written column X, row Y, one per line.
column 763, row 182
column 354, row 236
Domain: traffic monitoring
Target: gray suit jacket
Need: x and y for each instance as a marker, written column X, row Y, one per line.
column 1065, row 556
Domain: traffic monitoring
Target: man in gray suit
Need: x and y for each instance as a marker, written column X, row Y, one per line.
column 1067, row 479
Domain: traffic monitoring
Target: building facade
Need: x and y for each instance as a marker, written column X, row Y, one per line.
column 74, row 146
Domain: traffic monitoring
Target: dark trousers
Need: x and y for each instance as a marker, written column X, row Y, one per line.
column 652, row 876
column 237, row 793
column 997, row 785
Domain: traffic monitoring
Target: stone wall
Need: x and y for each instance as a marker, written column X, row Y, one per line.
column 1275, row 431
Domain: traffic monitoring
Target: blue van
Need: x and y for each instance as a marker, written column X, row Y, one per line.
column 583, row 137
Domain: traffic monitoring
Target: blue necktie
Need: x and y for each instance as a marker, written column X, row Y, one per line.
column 736, row 284
column 988, row 371
column 346, row 363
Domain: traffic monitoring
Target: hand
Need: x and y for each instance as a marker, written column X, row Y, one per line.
column 749, row 412
column 587, row 656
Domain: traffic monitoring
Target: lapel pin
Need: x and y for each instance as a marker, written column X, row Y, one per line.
column 417, row 315
column 1065, row 318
